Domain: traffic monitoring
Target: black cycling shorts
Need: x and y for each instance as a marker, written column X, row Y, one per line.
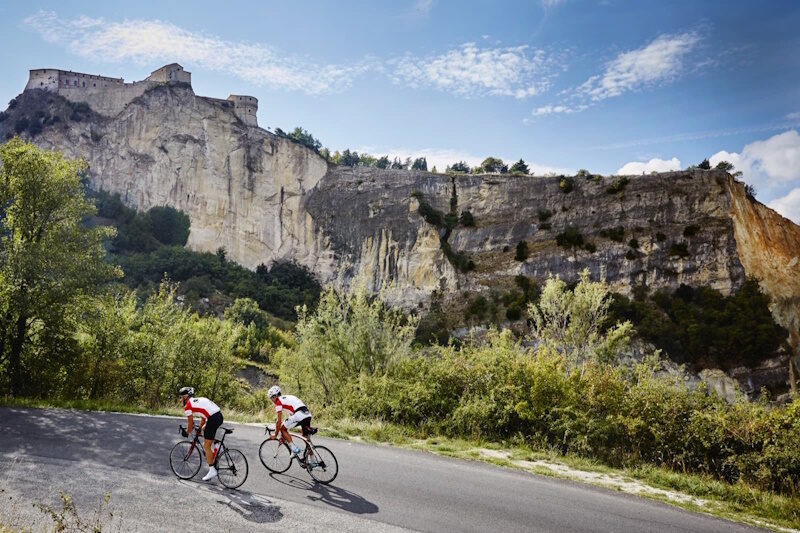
column 212, row 425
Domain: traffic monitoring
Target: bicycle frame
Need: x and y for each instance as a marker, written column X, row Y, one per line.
column 306, row 440
column 196, row 443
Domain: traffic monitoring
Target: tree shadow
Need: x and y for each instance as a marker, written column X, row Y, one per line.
column 329, row 494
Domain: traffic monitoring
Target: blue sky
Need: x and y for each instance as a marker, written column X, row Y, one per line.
column 605, row 85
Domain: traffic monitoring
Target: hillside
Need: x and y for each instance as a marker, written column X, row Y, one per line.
column 266, row 199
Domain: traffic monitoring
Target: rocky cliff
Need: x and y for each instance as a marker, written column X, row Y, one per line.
column 264, row 198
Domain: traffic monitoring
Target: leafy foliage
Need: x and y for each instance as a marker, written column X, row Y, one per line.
column 570, row 238
column 679, row 249
column 618, row 185
column 522, row 251
column 301, row 136
column 616, row 233
column 520, row 168
column 461, row 166
column 493, row 165
column 704, row 165
column 48, row 258
column 702, row 326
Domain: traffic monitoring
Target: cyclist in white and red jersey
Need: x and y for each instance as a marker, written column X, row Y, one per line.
column 299, row 415
column 210, row 420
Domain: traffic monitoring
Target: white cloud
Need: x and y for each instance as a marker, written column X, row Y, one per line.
column 658, row 62
column 152, row 41
column 654, row 165
column 557, row 110
column 471, row 70
column 770, row 165
column 441, row 158
column 789, row 205
column 793, row 116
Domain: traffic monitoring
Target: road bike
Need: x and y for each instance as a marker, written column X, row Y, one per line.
column 318, row 461
column 187, row 456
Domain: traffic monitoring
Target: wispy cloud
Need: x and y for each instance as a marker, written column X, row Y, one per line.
column 788, row 205
column 152, row 41
column 698, row 135
column 660, row 61
column 472, row 70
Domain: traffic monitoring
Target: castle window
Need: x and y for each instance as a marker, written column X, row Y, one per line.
column 75, row 83
column 84, row 84
column 94, row 85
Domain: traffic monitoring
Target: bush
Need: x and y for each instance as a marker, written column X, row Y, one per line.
column 660, row 237
column 570, row 238
column 544, row 215
column 633, row 243
column 631, row 255
column 467, row 219
column 590, row 247
column 615, row 234
column 566, row 185
column 522, row 251
column 618, row 185
column 691, row 230
column 544, row 226
column 169, row 225
column 679, row 249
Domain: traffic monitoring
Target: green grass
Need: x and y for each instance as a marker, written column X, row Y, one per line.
column 739, row 502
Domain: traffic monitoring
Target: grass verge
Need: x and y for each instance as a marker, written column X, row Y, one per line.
column 739, row 502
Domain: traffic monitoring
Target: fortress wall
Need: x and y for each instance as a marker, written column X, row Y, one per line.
column 46, row 78
column 109, row 100
column 246, row 108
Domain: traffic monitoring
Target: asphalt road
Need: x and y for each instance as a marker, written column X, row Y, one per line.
column 379, row 488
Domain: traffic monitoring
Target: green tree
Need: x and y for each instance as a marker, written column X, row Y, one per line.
column 169, row 225
column 48, row 257
column 420, row 163
column 301, row 136
column 705, row 165
column 461, row 166
column 493, row 165
column 245, row 311
column 520, row 168
column 572, row 321
column 350, row 334
column 383, row 162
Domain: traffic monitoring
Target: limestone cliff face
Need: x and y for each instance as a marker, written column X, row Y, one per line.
column 769, row 249
column 264, row 199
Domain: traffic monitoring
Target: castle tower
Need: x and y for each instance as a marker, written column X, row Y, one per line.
column 246, row 108
column 171, row 72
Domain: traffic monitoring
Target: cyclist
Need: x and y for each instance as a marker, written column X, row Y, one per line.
column 299, row 415
column 210, row 420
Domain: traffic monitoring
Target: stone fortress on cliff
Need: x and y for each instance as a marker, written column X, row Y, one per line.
column 109, row 96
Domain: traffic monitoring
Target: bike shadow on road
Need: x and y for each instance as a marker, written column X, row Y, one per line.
column 329, row 494
column 252, row 507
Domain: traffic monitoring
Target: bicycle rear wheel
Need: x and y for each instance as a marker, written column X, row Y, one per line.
column 275, row 456
column 185, row 460
column 232, row 468
column 322, row 465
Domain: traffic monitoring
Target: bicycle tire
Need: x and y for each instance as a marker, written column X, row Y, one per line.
column 275, row 456
column 232, row 468
column 184, row 461
column 327, row 467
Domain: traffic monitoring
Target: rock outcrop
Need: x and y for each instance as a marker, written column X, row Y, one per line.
column 264, row 198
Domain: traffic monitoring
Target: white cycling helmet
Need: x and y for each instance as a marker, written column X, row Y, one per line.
column 274, row 391
column 188, row 391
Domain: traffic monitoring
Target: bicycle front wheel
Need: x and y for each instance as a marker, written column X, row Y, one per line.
column 185, row 460
column 232, row 468
column 322, row 465
column 275, row 456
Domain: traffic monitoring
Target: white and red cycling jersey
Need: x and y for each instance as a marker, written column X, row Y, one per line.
column 290, row 403
column 202, row 407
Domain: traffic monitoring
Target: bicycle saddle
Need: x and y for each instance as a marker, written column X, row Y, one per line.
column 227, row 430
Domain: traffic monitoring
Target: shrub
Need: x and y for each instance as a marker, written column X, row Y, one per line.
column 590, row 247
column 679, row 249
column 633, row 243
column 522, row 251
column 750, row 191
column 631, row 255
column 660, row 237
column 566, row 184
column 544, row 215
column 460, row 260
column 691, row 230
column 704, row 165
column 615, row 234
column 618, row 185
column 545, row 226
column 467, row 219
column 570, row 238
